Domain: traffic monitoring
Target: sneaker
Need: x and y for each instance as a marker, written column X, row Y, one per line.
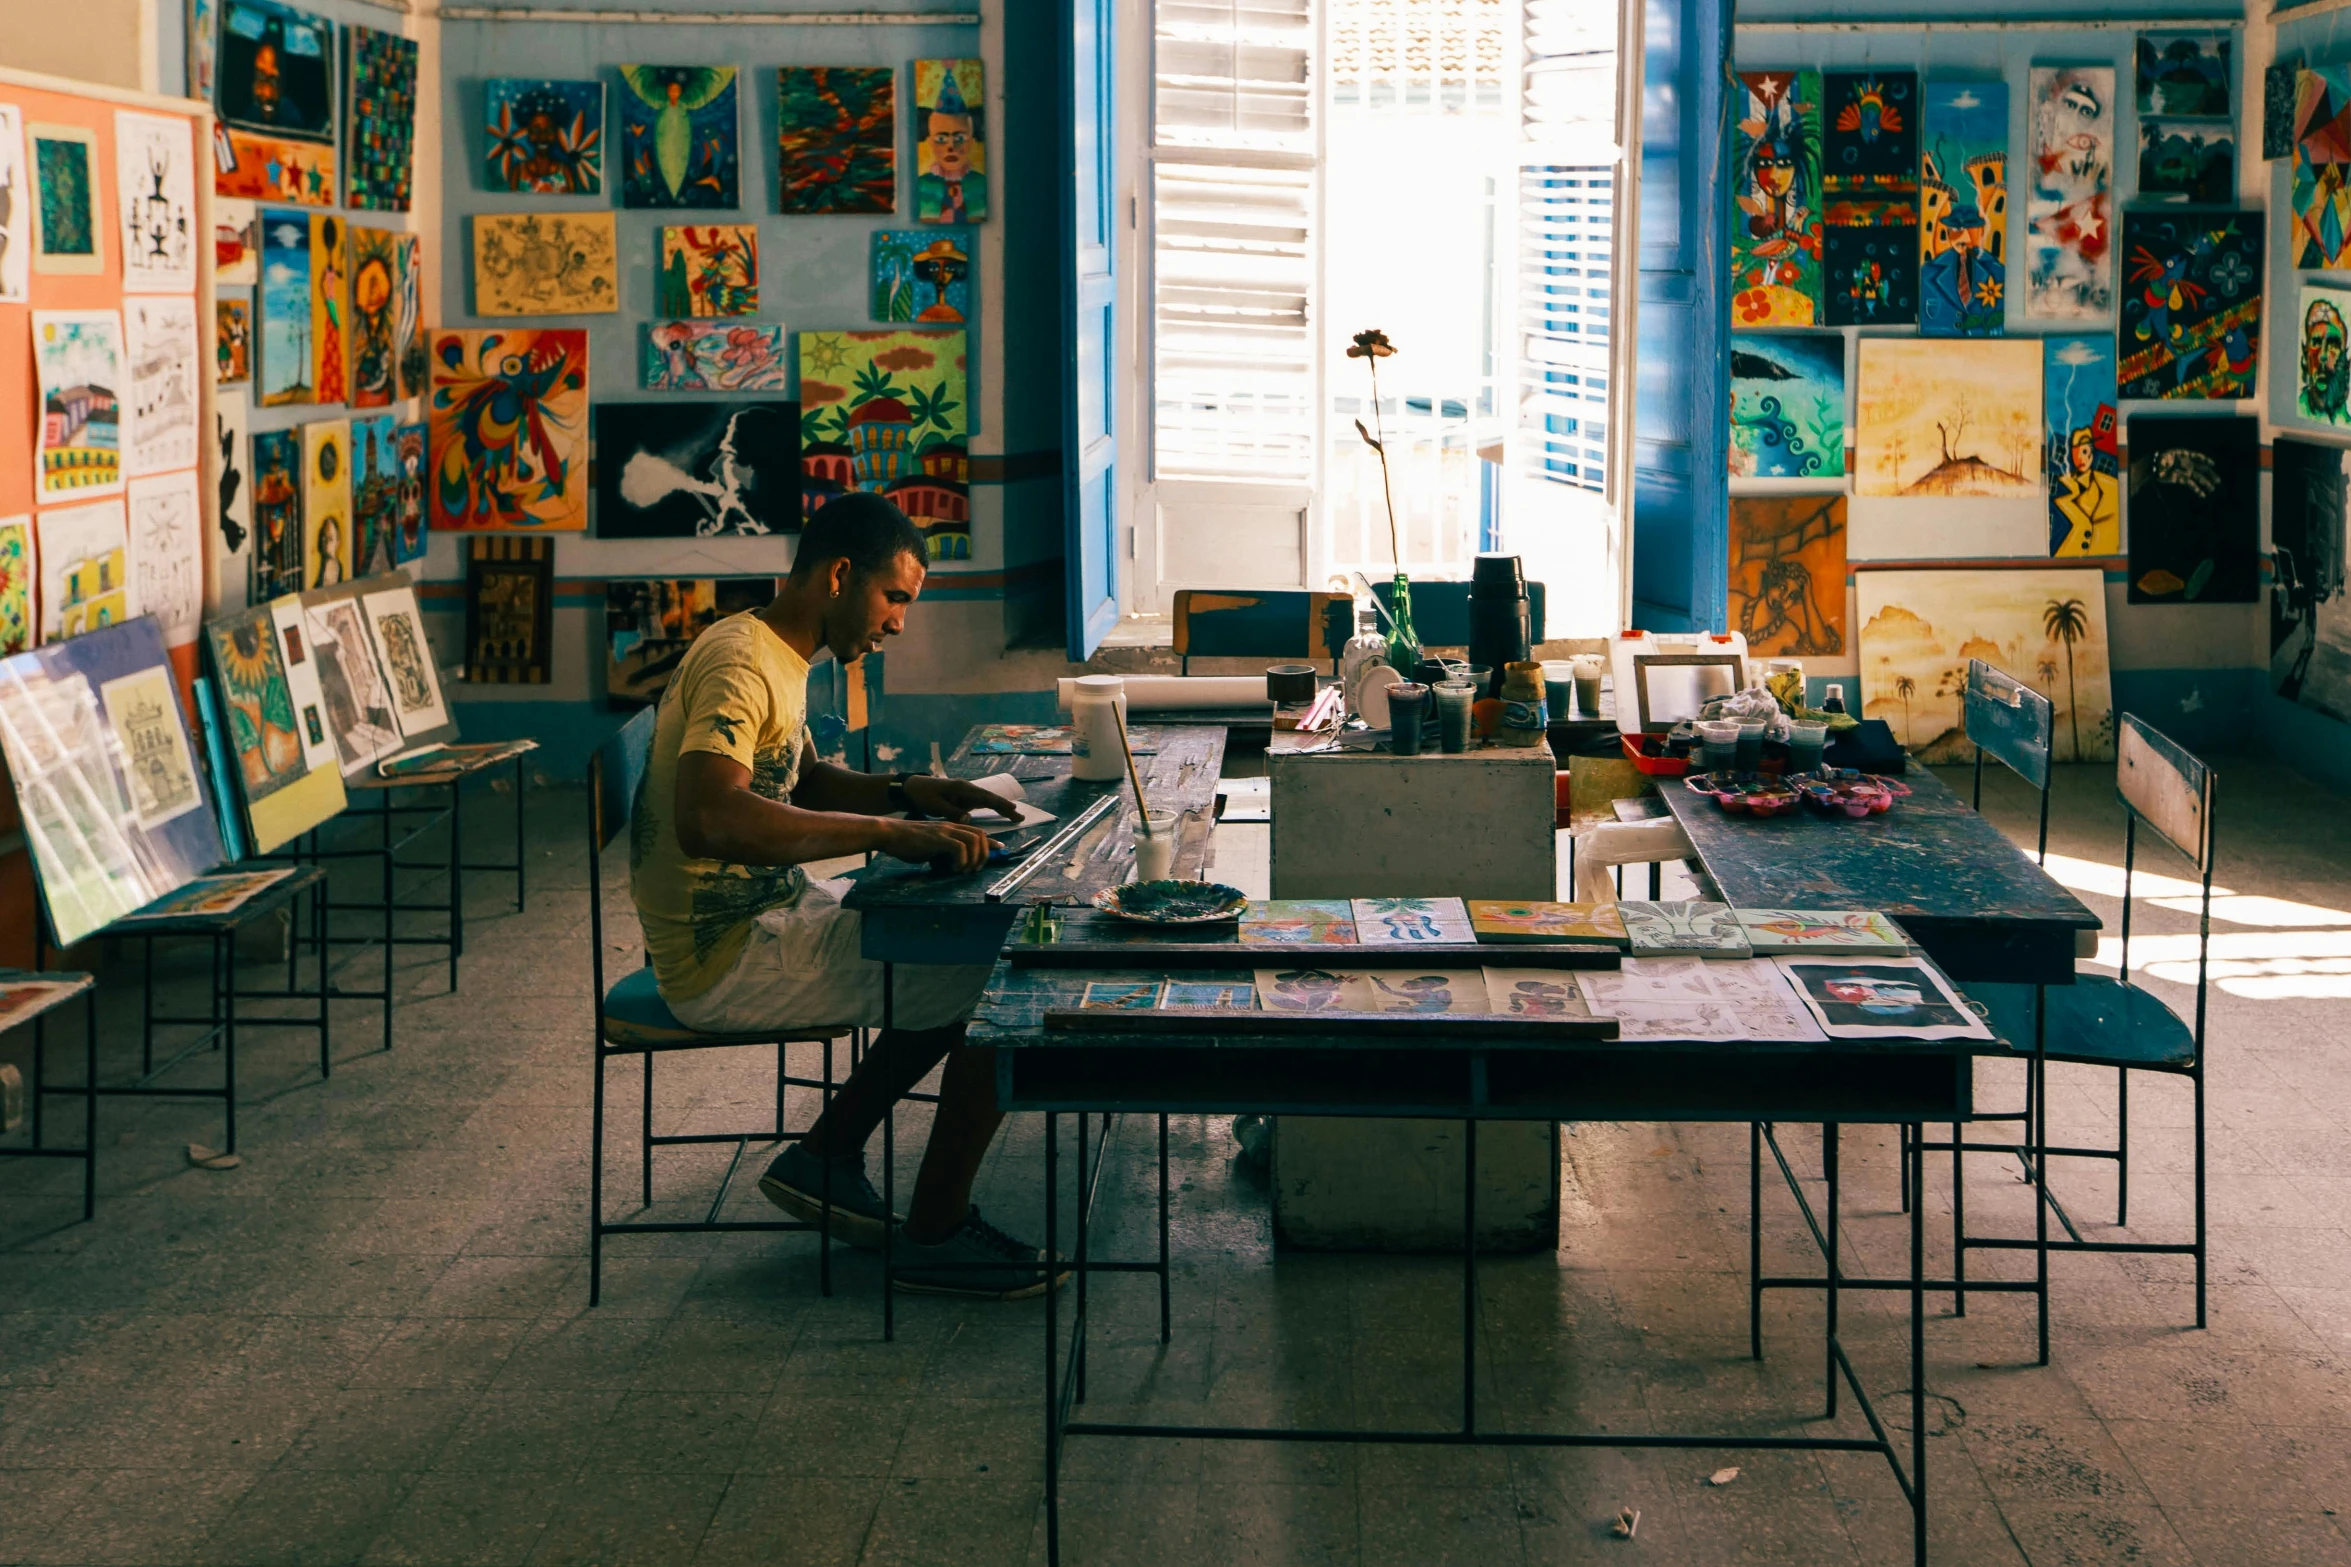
column 978, row 1260
column 795, row 1182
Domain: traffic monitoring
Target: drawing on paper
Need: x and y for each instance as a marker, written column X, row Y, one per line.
column 2195, row 506
column 836, row 138
column 167, row 366
column 1534, row 992
column 2071, row 275
column 1949, row 418
column 358, row 703
column 408, row 659
column 2085, row 487
column 144, row 712
column 2191, row 313
column 277, row 514
column 2044, row 627
column 1787, row 581
column 77, row 355
column 379, row 111
column 285, row 309
column 1687, row 928
column 375, row 296
column 689, row 356
column 1776, row 224
column 167, row 554
column 544, row 264
column 546, row 138
column 889, row 412
column 696, row 470
column 1963, row 210
column 1787, row 405
column 921, row 275
column 2309, row 612
column 155, row 191
column 709, row 270
column 509, row 422
column 677, row 136
column 66, row 233
column 16, row 211
column 84, row 557
column 951, row 142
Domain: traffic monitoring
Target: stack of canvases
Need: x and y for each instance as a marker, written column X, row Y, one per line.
column 879, row 410
column 1866, row 198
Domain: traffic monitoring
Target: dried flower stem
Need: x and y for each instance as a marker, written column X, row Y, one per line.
column 1395, row 550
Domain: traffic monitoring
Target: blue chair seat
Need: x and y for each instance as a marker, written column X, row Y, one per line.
column 635, row 1014
column 2095, row 1021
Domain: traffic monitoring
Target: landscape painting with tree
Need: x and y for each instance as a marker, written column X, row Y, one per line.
column 1775, row 225
column 2044, row 627
column 1949, row 418
column 1787, row 578
column 2195, row 507
column 1787, row 405
column 889, row 412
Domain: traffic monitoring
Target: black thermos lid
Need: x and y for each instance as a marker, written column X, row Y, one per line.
column 1497, row 576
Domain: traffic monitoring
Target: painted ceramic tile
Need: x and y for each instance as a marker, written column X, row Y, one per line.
column 2185, row 75
column 951, row 142
column 330, row 305
column 408, row 541
column 17, row 208
column 375, row 297
column 836, row 138
column 1223, row 995
column 1534, row 992
column 889, row 412
column 2079, row 446
column 408, row 660
column 285, row 310
column 2320, row 222
column 67, row 236
column 1787, row 580
column 691, row 356
column 263, row 729
column 1457, row 992
column 509, row 422
column 1787, row 405
column 1948, row 418
column 1401, row 922
column 2320, row 380
column 167, row 553
column 2045, row 627
column 1691, row 928
column 269, row 168
column 229, row 549
column 277, row 514
column 678, row 136
column 2071, row 260
column 1298, row 922
column 379, row 115
column 1120, row 996
column 509, row 609
column 545, row 264
column 710, row 270
column 1963, row 210
column 78, row 358
column 377, row 479
column 276, row 68
column 1776, row 218
column 2195, row 503
column 84, row 553
column 165, row 353
column 2191, row 317
column 1498, row 920
column 1311, row 990
column 1822, row 930
column 1895, row 998
column 408, row 334
column 922, row 275
column 2187, row 159
column 650, row 622
column 358, row 699
column 16, row 584
column 155, row 190
column 545, row 138
column 2277, row 109
column 232, row 340
column 2309, row 611
column 678, row 470
column 326, row 503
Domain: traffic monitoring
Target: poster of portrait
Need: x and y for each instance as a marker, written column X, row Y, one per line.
column 229, row 549
column 144, row 712
column 709, row 270
column 2191, row 315
column 278, row 533
column 545, row 264
column 950, row 141
column 2044, row 627
column 166, row 361
column 276, row 70
column 1949, row 418
column 836, row 138
column 691, row 356
column 78, row 360
column 68, row 235
column 376, row 484
column 889, row 412
column 1963, row 210
column 1787, row 405
column 1869, row 189
column 285, row 309
column 358, row 700
column 1776, row 201
column 696, row 470
column 379, row 112
column 375, row 296
column 16, row 584
column 408, row 660
column 678, row 136
column 84, row 557
column 2320, row 222
column 508, row 417
column 2195, row 508
column 509, row 609
column 2309, row 613
column 922, row 276
column 330, row 303
column 2319, row 384
column 326, row 503
column 16, row 210
column 2079, row 446
column 155, row 190
column 1787, row 582
column 167, row 553
column 545, row 138
column 232, row 339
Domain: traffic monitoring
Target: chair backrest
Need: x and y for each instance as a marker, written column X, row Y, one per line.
column 843, row 702
column 2011, row 721
column 1235, row 623
column 1440, row 611
column 2166, row 788
column 614, row 773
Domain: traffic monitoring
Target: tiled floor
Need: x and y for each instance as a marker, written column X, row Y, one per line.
column 372, row 1343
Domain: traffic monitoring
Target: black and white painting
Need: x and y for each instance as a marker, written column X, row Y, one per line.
column 166, row 358
column 155, row 186
column 697, row 470
column 230, row 545
column 2309, row 613
column 358, row 700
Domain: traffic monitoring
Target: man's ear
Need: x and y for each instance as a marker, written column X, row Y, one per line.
column 838, row 574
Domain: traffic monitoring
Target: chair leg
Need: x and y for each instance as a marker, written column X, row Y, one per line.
column 1958, row 1216
column 645, row 1132
column 2038, row 1128
column 596, row 1187
column 1904, row 1135
column 1755, row 1240
column 2122, row 1147
column 2201, row 1245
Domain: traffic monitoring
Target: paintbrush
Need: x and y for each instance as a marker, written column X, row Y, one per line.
column 1142, row 811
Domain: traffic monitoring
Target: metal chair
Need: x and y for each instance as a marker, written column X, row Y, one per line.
column 632, row 1019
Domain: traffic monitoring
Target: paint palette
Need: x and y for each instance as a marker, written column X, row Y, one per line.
column 1173, row 902
column 1745, row 794
column 1836, row 791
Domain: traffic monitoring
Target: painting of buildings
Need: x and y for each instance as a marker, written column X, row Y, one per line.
column 889, row 412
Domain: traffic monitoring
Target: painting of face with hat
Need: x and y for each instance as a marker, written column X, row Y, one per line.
column 1963, row 196
column 951, row 180
column 922, row 275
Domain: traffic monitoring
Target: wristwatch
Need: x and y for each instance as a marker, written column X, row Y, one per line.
column 900, row 800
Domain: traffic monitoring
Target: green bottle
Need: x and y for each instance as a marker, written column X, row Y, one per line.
column 1403, row 641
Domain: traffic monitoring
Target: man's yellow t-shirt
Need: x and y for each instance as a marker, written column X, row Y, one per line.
column 742, row 693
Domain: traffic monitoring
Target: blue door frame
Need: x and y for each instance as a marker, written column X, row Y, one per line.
column 1089, row 300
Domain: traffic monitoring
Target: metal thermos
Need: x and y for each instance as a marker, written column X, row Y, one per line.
column 1500, row 627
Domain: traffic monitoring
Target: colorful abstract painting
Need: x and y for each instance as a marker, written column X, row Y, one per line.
column 276, row 69
column 2191, row 306
column 155, row 194
column 1948, row 418
column 67, row 235
column 1787, row 405
column 375, row 299
column 2309, row 611
column 232, row 339
column 1869, row 188
column 1787, row 583
column 408, row 335
column 326, row 503
column 508, row 415
column 691, row 356
column 1776, row 200
column 330, row 305
column 2071, row 255
column 890, row 412
column 2321, row 194
column 2042, row 626
column 2277, row 109
column 545, row 264
column 1963, row 210
column 545, row 138
column 836, row 139
column 271, row 168
column 78, row 358
column 678, row 136
column 408, row 540
column 377, row 478
column 2078, row 447
column 2189, row 160
column 950, row 142
column 379, row 115
column 922, row 276
column 16, row 584
column 2319, row 393
column 1869, row 267
column 709, row 270
column 2184, row 75
column 285, row 309
column 685, row 470
column 2195, row 504
column 1298, row 922
column 277, row 514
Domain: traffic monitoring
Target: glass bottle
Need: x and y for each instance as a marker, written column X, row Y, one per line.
column 1403, row 642
column 1366, row 648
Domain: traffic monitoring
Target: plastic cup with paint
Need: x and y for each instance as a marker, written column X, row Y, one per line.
column 1587, row 683
column 1559, row 687
column 1750, row 746
column 1454, row 699
column 1718, row 745
column 1155, row 851
column 1408, row 708
column 1806, row 739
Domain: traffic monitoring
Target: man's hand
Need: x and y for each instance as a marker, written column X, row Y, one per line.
column 955, row 799
column 949, row 846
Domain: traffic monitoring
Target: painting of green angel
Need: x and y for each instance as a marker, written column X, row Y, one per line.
column 678, row 137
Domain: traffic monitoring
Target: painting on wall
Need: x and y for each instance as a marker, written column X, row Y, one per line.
column 166, row 377
column 690, row 356
column 922, row 276
column 2079, row 446
column 2184, row 75
column 408, row 337
column 678, row 136
column 1787, row 581
column 1869, row 269
column 1963, row 210
column 270, row 168
column 2187, row 159
column 16, row 584
column 78, row 358
column 277, row 514
column 329, row 302
column 889, row 412
column 375, row 295
column 16, row 211
column 2044, row 627
column 1776, row 221
column 1870, row 132
column 836, row 138
column 2195, row 504
column 285, row 309
column 2191, row 310
column 67, row 235
column 1949, row 418
column 2277, row 109
column 408, row 541
column 545, row 264
column 326, row 503
column 709, row 270
column 260, row 703
column 358, row 699
column 1787, row 405
column 167, row 553
column 1869, row 187
column 379, row 114
column 2320, row 372
column 545, row 138
column 276, row 71
column 85, row 559
column 232, row 339
column 509, row 420
column 649, row 624
column 951, row 142
column 2309, row 613
column 509, row 610
column 2320, row 221
column 377, row 479
column 236, row 241
column 230, row 548
column 696, row 470
column 155, row 194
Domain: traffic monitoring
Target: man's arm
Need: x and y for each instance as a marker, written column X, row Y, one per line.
column 824, row 787
column 719, row 818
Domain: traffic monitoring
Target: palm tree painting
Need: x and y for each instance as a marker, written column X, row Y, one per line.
column 889, row 412
column 1919, row 627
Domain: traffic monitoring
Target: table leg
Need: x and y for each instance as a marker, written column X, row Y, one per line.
column 1828, row 1160
column 890, row 1166
column 518, row 891
column 1166, row 1324
column 1052, row 1338
column 1077, row 1354
column 146, row 1005
column 1469, row 1279
column 456, row 878
column 1755, row 1240
column 89, row 1104
column 229, row 958
column 1918, row 1368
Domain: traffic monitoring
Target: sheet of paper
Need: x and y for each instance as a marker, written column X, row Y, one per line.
column 1402, row 922
column 1881, row 998
column 1311, row 990
column 1120, row 996
column 1459, row 992
column 1699, row 998
column 1534, row 992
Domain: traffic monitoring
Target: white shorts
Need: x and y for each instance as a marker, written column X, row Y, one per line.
column 800, row 968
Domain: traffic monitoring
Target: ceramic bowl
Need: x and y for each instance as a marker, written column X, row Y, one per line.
column 1173, row 902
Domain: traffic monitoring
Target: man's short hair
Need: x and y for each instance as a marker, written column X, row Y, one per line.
column 866, row 529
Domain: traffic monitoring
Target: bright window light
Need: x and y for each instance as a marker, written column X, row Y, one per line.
column 2106, row 880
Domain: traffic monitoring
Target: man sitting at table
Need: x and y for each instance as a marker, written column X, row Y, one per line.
column 743, row 939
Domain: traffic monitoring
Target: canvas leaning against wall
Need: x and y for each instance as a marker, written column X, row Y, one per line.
column 2043, row 627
